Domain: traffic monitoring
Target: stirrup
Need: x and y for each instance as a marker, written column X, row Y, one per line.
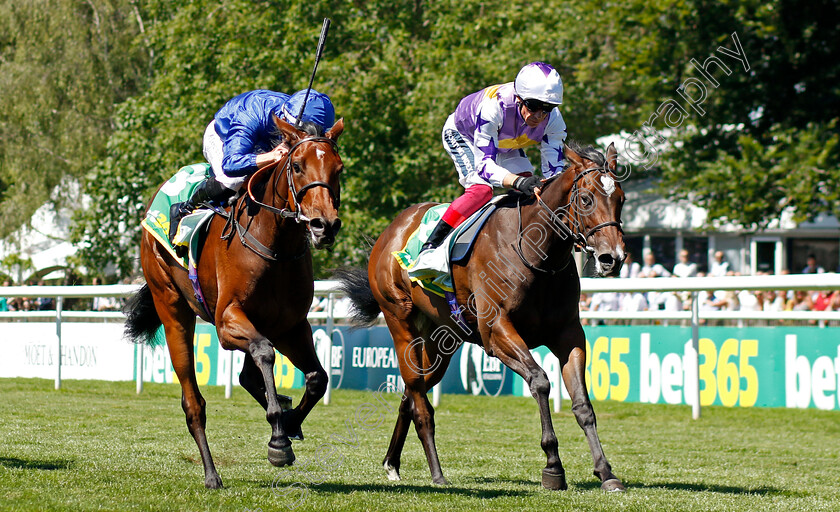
column 428, row 245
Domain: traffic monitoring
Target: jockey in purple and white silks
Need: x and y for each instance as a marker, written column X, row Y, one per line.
column 242, row 136
column 486, row 134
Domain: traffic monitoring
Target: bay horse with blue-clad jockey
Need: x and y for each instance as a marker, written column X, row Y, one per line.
column 521, row 290
column 255, row 272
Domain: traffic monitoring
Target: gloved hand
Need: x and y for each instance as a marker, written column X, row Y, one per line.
column 527, row 185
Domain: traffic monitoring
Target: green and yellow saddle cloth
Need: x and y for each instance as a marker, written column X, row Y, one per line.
column 432, row 273
column 191, row 231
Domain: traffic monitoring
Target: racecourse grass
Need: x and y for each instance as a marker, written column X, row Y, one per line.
column 99, row 446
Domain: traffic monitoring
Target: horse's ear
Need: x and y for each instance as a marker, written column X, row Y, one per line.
column 572, row 157
column 290, row 133
column 612, row 157
column 336, row 130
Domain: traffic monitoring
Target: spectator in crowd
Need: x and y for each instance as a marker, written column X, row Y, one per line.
column 103, row 303
column 708, row 301
column 820, row 301
column 751, row 301
column 775, row 301
column 685, row 268
column 45, row 303
column 631, row 267
column 801, row 301
column 720, row 267
column 4, row 301
column 651, row 268
column 812, row 267
column 634, row 301
column 605, row 301
column 667, row 301
column 583, row 304
column 834, row 303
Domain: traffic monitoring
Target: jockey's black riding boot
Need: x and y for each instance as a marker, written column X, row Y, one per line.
column 209, row 190
column 438, row 235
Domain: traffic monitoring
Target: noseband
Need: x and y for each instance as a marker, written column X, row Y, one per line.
column 295, row 194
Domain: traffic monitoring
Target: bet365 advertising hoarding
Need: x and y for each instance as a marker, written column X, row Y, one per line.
column 739, row 367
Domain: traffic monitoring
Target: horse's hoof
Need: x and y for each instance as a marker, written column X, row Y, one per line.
column 613, row 485
column 554, row 480
column 440, row 481
column 282, row 457
column 392, row 472
column 213, row 482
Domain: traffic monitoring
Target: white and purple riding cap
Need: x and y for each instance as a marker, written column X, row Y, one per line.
column 539, row 81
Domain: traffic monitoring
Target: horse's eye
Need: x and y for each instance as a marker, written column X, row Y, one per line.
column 586, row 200
column 296, row 168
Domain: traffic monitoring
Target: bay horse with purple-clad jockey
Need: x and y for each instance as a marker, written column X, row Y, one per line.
column 521, row 290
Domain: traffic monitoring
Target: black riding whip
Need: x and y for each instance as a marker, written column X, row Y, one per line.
column 324, row 29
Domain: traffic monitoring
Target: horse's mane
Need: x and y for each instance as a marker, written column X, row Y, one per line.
column 587, row 152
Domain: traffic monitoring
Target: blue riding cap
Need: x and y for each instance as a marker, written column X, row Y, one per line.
column 319, row 109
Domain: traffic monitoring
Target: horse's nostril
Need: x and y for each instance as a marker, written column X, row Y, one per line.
column 606, row 259
column 316, row 224
column 336, row 226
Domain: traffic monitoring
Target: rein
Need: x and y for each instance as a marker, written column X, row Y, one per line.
column 247, row 239
column 578, row 237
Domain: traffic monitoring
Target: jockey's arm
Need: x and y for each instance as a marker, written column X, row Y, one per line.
column 272, row 157
column 552, row 159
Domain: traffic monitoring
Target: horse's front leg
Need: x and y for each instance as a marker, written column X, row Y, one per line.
column 251, row 379
column 300, row 350
column 509, row 347
column 236, row 330
column 573, row 376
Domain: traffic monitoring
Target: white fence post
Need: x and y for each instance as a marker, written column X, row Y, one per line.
column 139, row 367
column 58, row 304
column 328, row 351
column 229, row 379
column 695, row 343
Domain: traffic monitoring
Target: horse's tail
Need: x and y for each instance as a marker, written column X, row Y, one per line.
column 355, row 284
column 142, row 321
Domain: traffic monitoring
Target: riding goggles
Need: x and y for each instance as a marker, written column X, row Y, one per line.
column 538, row 106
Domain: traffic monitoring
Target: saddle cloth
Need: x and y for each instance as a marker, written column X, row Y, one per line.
column 431, row 269
column 178, row 189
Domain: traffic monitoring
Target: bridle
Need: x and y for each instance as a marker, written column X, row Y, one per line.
column 295, row 194
column 579, row 238
column 247, row 239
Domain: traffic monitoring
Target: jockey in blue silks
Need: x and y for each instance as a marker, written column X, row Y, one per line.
column 242, row 138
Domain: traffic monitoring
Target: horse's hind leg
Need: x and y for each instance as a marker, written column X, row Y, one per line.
column 180, row 327
column 413, row 364
column 391, row 463
column 573, row 375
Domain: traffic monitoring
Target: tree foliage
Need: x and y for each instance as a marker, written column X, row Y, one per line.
column 769, row 139
column 63, row 67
